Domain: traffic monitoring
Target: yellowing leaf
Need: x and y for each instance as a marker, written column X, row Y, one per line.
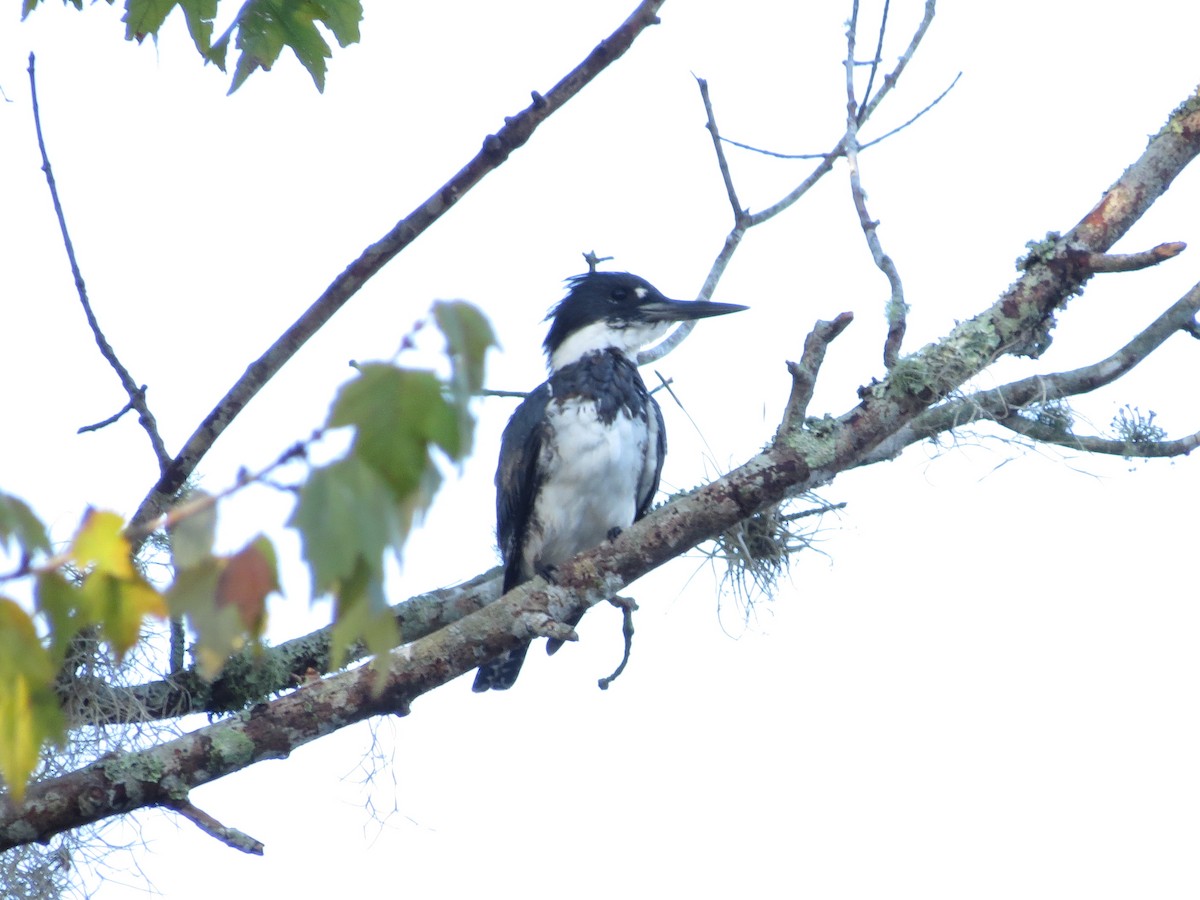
column 29, row 712
column 120, row 605
column 100, row 543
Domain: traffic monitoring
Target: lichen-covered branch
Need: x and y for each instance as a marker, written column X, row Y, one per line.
column 804, row 454
column 1048, row 434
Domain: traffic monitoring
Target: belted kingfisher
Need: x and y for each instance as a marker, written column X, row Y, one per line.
column 581, row 457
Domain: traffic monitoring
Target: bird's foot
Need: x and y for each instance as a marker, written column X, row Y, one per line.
column 614, row 532
column 548, row 573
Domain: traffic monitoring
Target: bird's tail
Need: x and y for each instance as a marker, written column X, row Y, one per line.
column 501, row 673
column 552, row 644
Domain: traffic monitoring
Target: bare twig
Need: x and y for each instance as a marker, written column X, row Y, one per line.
column 741, row 221
column 496, row 149
column 878, row 57
column 723, row 164
column 804, row 373
column 863, row 145
column 137, row 395
column 238, row 840
column 1004, row 401
column 137, row 533
column 1090, row 444
column 104, row 423
column 627, row 606
column 897, row 309
column 744, row 220
column 1131, row 262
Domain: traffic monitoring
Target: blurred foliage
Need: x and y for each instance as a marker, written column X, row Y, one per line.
column 349, row 513
column 259, row 30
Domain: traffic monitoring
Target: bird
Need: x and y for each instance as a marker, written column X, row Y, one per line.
column 581, row 457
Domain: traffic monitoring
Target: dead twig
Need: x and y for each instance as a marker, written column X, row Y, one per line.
column 137, row 395
column 897, row 308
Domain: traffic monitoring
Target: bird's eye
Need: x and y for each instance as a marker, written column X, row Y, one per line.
column 619, row 295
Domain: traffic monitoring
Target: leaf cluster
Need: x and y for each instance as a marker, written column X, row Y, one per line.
column 349, row 513
column 260, row 30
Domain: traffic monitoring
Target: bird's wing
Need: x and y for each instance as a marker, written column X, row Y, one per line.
column 654, row 465
column 517, row 480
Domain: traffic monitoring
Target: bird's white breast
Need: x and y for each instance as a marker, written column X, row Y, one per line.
column 594, row 476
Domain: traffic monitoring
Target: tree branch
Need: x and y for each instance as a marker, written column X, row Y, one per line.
column 137, row 395
column 804, row 373
column 496, row 149
column 1002, row 402
column 1047, row 434
column 238, row 840
column 897, row 308
column 743, row 219
column 797, row 460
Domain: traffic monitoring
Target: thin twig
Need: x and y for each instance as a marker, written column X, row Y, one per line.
column 804, row 373
column 722, row 163
column 1004, row 401
column 1046, row 434
column 741, row 220
column 136, row 533
column 897, row 309
column 878, row 57
column 744, row 220
column 238, row 840
column 1131, row 262
column 864, row 145
column 104, row 423
column 496, row 149
column 627, row 607
column 137, row 395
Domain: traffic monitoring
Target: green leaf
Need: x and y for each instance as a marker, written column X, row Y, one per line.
column 468, row 336
column 397, row 413
column 342, row 17
column 265, row 27
column 199, row 15
column 29, row 711
column 18, row 521
column 65, row 609
column 192, row 536
column 146, row 17
column 362, row 614
column 345, row 512
column 143, row 17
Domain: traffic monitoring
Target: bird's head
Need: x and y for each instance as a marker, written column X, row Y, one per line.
column 616, row 310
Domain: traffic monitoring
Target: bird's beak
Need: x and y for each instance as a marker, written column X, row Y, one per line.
column 664, row 310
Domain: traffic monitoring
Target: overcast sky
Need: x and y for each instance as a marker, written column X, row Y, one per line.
column 983, row 682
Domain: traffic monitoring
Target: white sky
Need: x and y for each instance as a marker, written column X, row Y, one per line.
column 986, row 683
